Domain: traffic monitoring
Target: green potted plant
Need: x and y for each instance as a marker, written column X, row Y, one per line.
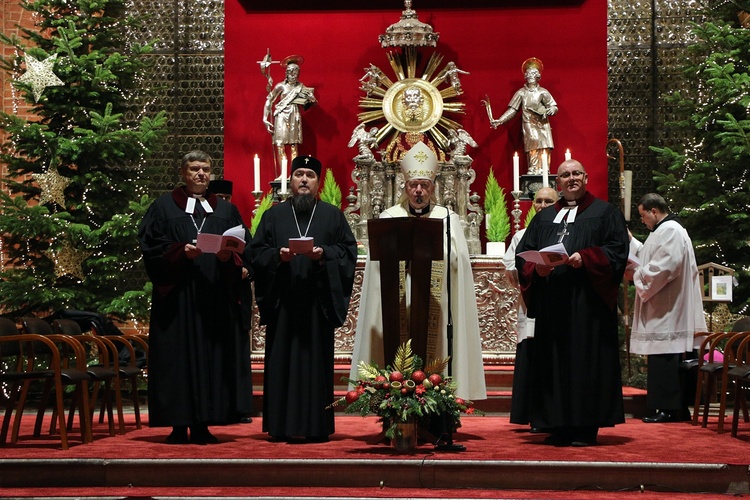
column 265, row 203
column 496, row 214
column 330, row 191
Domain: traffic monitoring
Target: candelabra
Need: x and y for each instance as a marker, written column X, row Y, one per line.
column 516, row 210
column 257, row 195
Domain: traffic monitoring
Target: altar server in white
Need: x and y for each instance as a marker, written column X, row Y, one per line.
column 668, row 308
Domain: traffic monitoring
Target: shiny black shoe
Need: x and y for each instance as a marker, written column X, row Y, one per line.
column 201, row 435
column 662, row 417
column 558, row 439
column 178, row 435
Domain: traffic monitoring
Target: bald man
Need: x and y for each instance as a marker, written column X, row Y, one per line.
column 575, row 363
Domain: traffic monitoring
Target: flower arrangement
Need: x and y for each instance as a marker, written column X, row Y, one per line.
column 404, row 392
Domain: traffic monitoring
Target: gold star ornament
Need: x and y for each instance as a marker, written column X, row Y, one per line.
column 53, row 186
column 69, row 261
column 39, row 75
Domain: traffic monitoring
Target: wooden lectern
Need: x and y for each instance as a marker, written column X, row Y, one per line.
column 418, row 242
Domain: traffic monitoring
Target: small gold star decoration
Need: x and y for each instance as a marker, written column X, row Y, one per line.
column 53, row 186
column 69, row 261
column 39, row 75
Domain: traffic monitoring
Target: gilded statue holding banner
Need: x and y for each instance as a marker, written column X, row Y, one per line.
column 284, row 120
column 536, row 105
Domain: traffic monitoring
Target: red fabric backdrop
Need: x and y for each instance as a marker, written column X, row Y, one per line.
column 489, row 43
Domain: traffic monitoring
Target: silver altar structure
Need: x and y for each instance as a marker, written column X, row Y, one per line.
column 409, row 106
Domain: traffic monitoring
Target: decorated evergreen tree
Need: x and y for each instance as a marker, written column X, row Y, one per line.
column 75, row 192
column 707, row 180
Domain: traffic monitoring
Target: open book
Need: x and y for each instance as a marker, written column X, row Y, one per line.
column 233, row 239
column 553, row 255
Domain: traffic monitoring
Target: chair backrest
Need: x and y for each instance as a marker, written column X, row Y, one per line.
column 36, row 325
column 66, row 327
column 8, row 327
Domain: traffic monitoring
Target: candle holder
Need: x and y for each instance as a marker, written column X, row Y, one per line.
column 258, row 195
column 516, row 210
column 278, row 196
column 531, row 183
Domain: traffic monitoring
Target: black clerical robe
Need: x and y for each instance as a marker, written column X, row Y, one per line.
column 199, row 359
column 301, row 302
column 575, row 363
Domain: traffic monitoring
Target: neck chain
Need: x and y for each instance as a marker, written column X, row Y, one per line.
column 199, row 229
column 294, row 212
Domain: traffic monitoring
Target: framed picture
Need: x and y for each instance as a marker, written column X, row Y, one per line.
column 721, row 288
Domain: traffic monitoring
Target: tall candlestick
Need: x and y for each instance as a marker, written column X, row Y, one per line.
column 545, row 171
column 516, row 180
column 628, row 192
column 283, row 177
column 568, row 156
column 256, row 164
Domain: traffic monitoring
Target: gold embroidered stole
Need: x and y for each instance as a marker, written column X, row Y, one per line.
column 434, row 312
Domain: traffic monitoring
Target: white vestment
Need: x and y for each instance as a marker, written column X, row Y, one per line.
column 525, row 325
column 467, row 363
column 668, row 305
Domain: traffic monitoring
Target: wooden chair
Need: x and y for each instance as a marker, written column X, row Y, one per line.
column 712, row 374
column 740, row 376
column 128, row 370
column 32, row 358
column 73, row 360
column 102, row 370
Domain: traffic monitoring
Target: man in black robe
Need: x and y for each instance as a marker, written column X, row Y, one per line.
column 199, row 374
column 576, row 386
column 223, row 189
column 302, row 295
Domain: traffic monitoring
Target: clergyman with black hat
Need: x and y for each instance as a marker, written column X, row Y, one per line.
column 223, row 188
column 302, row 289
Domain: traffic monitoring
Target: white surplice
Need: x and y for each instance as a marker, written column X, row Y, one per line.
column 467, row 364
column 668, row 305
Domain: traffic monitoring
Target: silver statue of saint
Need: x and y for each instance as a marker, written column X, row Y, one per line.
column 536, row 105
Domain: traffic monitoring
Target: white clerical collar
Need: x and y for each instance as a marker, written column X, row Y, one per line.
column 567, row 213
column 190, row 205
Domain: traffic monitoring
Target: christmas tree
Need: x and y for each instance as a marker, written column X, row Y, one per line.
column 707, row 179
column 74, row 190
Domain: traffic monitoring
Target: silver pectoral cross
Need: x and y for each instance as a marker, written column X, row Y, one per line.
column 563, row 232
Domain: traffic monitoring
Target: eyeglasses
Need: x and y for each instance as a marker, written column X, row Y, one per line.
column 574, row 173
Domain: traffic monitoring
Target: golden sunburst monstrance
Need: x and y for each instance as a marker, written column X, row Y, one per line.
column 411, row 104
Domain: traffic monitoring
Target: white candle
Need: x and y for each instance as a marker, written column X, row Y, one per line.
column 516, row 180
column 545, row 171
column 628, row 191
column 256, row 164
column 283, row 176
column 568, row 156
